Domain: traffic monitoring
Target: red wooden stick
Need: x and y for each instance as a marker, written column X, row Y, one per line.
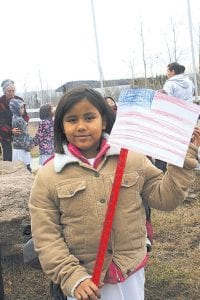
column 103, row 244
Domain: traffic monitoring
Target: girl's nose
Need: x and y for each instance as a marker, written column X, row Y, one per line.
column 81, row 125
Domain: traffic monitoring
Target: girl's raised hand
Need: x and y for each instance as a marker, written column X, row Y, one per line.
column 87, row 290
column 196, row 137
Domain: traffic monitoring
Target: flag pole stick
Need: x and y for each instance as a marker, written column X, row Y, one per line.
column 105, row 235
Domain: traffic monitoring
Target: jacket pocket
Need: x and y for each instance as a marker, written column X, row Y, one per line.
column 129, row 190
column 72, row 197
column 128, row 180
column 68, row 190
column 73, row 209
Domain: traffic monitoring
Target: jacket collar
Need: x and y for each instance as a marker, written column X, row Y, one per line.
column 61, row 160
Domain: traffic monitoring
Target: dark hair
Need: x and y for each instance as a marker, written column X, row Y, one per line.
column 45, row 111
column 177, row 68
column 114, row 108
column 109, row 97
column 71, row 98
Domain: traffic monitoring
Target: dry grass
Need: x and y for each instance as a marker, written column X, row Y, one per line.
column 22, row 282
column 173, row 270
column 32, row 128
column 172, row 273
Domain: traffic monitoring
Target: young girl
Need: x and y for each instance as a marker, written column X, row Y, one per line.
column 22, row 141
column 44, row 135
column 69, row 200
column 112, row 103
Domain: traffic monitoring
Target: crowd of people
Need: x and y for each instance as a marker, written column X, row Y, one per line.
column 70, row 194
column 14, row 137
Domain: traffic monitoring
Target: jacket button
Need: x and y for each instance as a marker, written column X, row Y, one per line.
column 97, row 174
column 128, row 272
column 102, row 200
column 110, row 251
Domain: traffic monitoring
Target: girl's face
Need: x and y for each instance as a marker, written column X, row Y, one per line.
column 21, row 110
column 83, row 126
column 110, row 102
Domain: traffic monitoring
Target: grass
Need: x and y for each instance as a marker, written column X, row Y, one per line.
column 22, row 282
column 172, row 272
column 173, row 269
column 32, row 129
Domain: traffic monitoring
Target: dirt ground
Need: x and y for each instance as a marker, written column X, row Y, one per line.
column 172, row 272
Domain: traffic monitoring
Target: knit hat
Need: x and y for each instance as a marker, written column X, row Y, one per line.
column 6, row 83
column 15, row 105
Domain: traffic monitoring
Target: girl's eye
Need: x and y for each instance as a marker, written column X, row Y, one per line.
column 71, row 120
column 89, row 118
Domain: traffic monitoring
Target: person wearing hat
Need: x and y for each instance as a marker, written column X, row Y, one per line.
column 6, row 130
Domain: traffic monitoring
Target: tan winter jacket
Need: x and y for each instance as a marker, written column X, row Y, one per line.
column 68, row 203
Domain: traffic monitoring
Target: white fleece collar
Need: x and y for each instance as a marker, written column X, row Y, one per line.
column 61, row 160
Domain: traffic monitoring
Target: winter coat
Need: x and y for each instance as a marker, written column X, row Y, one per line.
column 22, row 140
column 68, row 204
column 44, row 137
column 179, row 86
column 6, row 119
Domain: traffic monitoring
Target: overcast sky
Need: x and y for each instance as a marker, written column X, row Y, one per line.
column 53, row 40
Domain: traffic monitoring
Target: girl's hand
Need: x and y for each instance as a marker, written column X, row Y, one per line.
column 16, row 131
column 87, row 290
column 196, row 137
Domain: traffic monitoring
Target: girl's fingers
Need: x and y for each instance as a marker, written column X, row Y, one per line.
column 87, row 290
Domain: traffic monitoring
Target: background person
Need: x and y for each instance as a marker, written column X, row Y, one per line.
column 112, row 103
column 6, row 130
column 44, row 135
column 178, row 85
column 22, row 141
column 69, row 198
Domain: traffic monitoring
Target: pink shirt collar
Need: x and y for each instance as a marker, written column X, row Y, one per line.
column 103, row 149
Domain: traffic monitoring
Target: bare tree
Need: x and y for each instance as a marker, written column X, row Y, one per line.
column 174, row 52
column 143, row 54
column 131, row 64
column 198, row 77
column 41, row 85
column 174, row 38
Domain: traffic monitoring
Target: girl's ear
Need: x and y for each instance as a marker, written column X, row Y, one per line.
column 104, row 123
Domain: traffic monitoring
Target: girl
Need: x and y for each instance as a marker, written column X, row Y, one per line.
column 44, row 135
column 69, row 199
column 22, row 141
column 112, row 103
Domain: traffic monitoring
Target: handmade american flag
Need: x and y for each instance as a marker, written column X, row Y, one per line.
column 155, row 124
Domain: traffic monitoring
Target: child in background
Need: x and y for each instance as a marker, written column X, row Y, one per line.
column 69, row 198
column 22, row 141
column 112, row 103
column 44, row 135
